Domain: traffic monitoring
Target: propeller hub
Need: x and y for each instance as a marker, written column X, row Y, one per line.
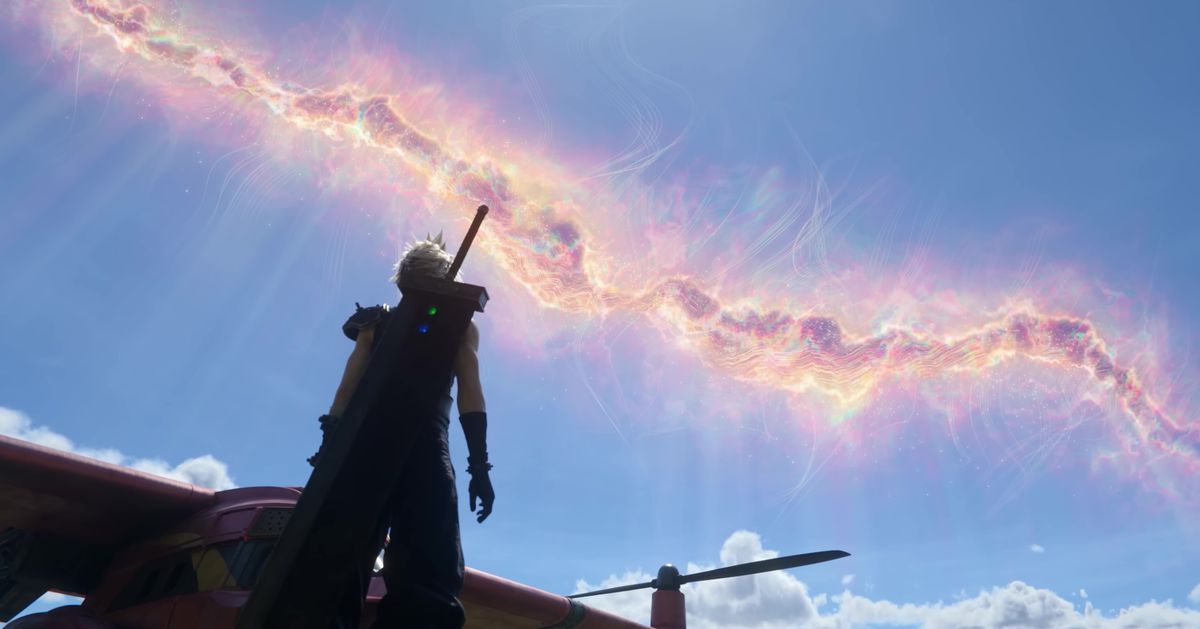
column 668, row 578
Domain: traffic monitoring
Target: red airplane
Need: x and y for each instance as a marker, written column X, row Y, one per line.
column 150, row 553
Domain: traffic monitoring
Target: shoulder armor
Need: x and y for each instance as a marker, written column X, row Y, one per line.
column 362, row 319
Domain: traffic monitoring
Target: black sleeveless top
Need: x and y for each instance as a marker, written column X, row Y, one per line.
column 377, row 317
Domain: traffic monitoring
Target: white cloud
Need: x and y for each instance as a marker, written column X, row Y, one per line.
column 1082, row 593
column 776, row 600
column 847, row 580
column 205, row 470
column 1037, row 548
column 1194, row 596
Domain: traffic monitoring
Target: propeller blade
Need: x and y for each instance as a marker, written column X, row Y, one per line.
column 766, row 565
column 623, row 588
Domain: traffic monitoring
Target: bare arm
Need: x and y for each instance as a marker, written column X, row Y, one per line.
column 356, row 365
column 466, row 370
column 473, row 417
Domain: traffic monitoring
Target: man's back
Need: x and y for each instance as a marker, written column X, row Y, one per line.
column 423, row 565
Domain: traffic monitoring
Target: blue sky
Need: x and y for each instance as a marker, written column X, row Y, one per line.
column 171, row 296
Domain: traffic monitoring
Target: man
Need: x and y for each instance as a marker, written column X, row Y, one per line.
column 423, row 565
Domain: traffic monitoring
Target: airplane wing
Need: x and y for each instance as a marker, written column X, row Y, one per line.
column 498, row 603
column 493, row 602
column 61, row 514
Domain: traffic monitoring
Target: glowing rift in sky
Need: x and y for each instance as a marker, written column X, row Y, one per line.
column 544, row 245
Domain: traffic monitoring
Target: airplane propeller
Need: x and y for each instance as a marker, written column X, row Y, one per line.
column 670, row 579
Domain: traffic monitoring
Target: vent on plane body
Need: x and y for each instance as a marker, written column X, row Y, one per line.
column 270, row 522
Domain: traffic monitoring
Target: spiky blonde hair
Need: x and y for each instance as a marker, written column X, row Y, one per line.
column 424, row 257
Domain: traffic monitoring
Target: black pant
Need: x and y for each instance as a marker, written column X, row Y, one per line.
column 423, row 563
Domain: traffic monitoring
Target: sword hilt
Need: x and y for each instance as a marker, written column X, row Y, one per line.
column 480, row 213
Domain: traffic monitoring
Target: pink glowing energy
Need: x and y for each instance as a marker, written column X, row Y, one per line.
column 542, row 241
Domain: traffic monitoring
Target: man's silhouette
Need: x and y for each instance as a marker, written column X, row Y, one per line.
column 423, row 564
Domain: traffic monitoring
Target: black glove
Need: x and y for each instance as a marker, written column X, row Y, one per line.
column 474, row 427
column 480, row 488
column 328, row 424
